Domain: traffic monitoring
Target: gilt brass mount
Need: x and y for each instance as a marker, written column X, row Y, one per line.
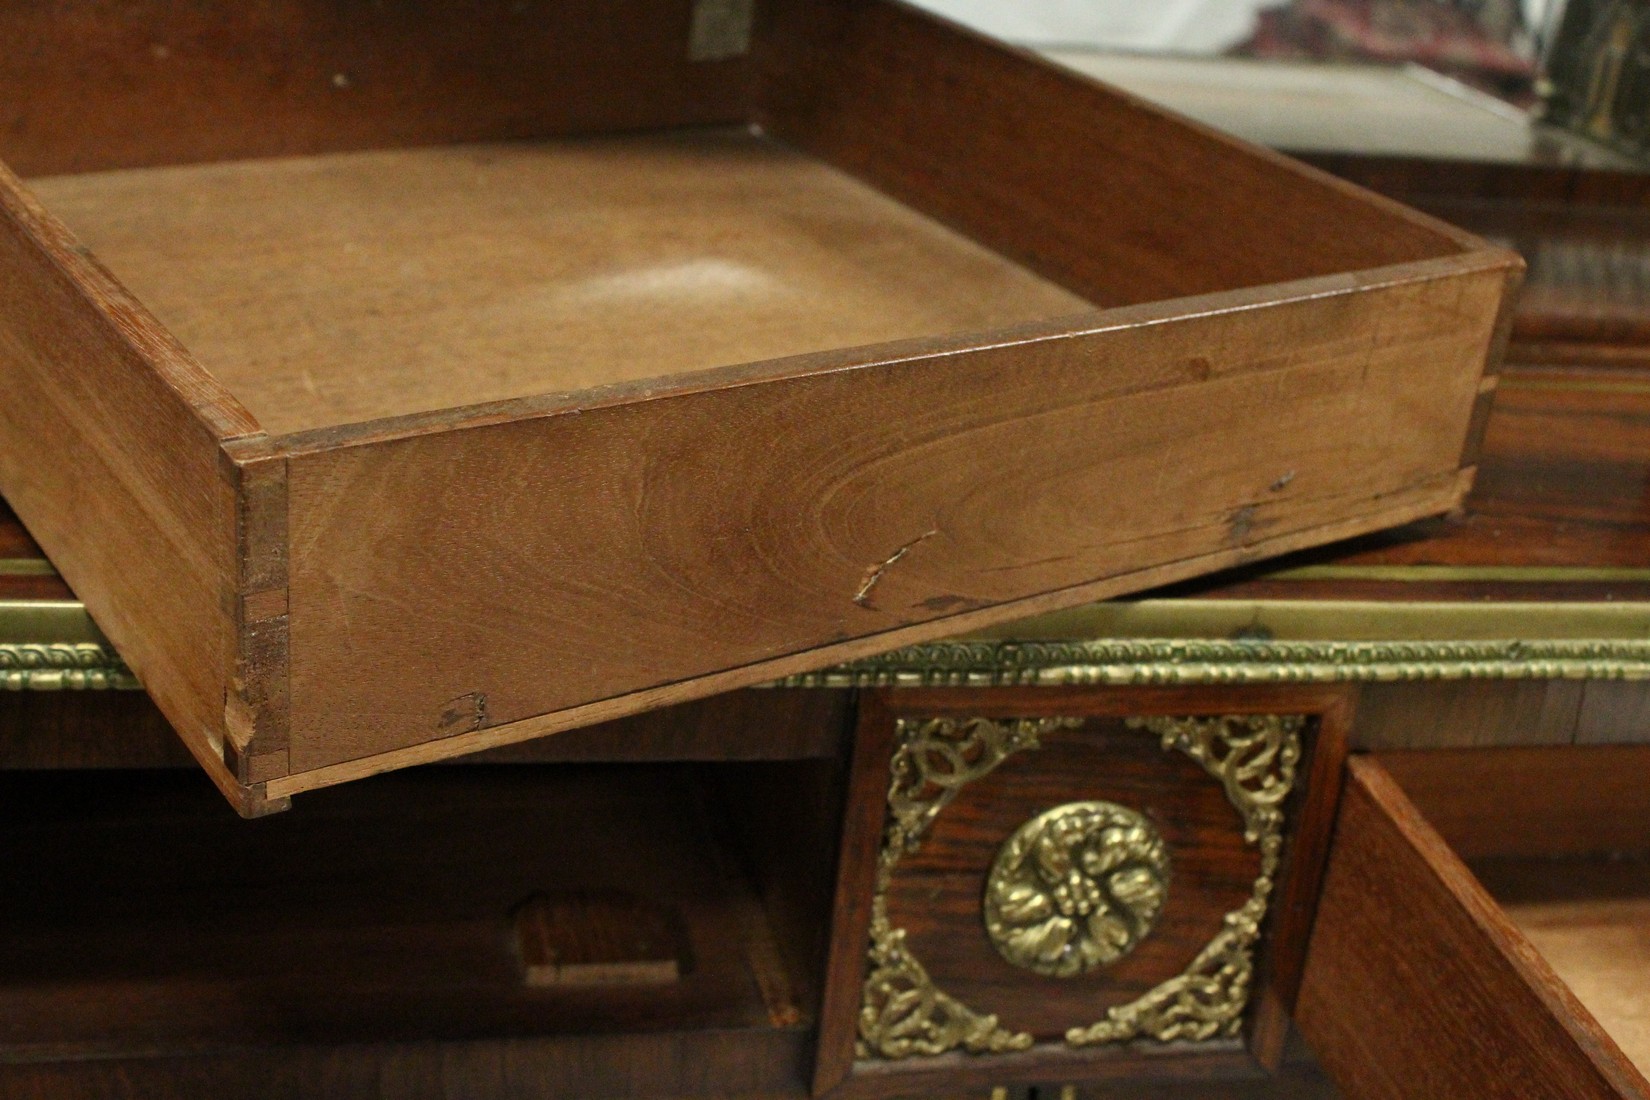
column 903, row 1013
column 1075, row 888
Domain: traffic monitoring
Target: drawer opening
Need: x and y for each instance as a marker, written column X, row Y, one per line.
column 1560, row 837
column 140, row 920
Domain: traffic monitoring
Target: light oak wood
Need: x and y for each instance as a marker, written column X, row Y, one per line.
column 624, row 521
column 330, row 290
column 527, row 404
column 1416, row 982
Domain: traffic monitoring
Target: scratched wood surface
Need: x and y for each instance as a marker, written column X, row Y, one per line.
column 455, row 530
column 876, row 508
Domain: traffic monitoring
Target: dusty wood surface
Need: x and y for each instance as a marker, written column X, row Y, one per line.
column 329, row 290
column 1591, row 921
column 1417, row 984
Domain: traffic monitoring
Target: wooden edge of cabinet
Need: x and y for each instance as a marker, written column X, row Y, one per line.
column 1500, row 340
column 1296, row 902
column 1417, row 984
column 1288, row 921
column 111, row 453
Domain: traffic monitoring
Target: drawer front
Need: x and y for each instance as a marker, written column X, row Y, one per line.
column 1072, row 880
column 1417, row 983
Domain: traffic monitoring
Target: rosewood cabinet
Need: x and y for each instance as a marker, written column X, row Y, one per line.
column 1371, row 821
column 1030, row 825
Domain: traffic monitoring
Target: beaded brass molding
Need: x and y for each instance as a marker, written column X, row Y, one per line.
column 904, row 1013
column 1123, row 662
column 1162, row 641
column 62, row 666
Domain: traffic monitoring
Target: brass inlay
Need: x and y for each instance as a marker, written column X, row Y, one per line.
column 1157, row 642
column 1254, row 757
column 903, row 1013
column 1075, row 888
column 26, row 567
column 1273, row 641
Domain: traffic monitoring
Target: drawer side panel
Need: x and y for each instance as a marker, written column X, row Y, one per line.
column 1417, row 984
column 109, row 453
column 448, row 585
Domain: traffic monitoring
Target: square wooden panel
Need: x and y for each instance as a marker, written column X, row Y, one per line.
column 1075, row 881
column 398, row 386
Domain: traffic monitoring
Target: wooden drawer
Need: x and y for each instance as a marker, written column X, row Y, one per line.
column 1528, row 978
column 1075, row 885
column 397, row 385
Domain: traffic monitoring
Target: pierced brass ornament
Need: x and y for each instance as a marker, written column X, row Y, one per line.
column 903, row 1013
column 1075, row 888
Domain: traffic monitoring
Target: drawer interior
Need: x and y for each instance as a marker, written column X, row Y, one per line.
column 342, row 233
column 355, row 286
column 1590, row 918
column 1560, row 838
column 1485, row 924
column 139, row 919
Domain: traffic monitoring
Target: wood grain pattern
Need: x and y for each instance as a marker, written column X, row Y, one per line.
column 936, row 891
column 1553, row 802
column 1417, row 984
column 174, row 84
column 1467, row 713
column 1064, row 779
column 465, row 567
column 1089, row 186
column 1564, row 481
column 629, row 522
column 109, row 448
column 330, row 290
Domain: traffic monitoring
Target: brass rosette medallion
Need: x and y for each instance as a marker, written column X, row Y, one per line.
column 1075, row 888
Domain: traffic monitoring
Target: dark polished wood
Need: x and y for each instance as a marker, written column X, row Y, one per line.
column 935, row 893
column 1418, row 985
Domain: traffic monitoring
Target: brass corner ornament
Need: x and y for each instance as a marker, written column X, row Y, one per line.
column 903, row 1013
column 1076, row 888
